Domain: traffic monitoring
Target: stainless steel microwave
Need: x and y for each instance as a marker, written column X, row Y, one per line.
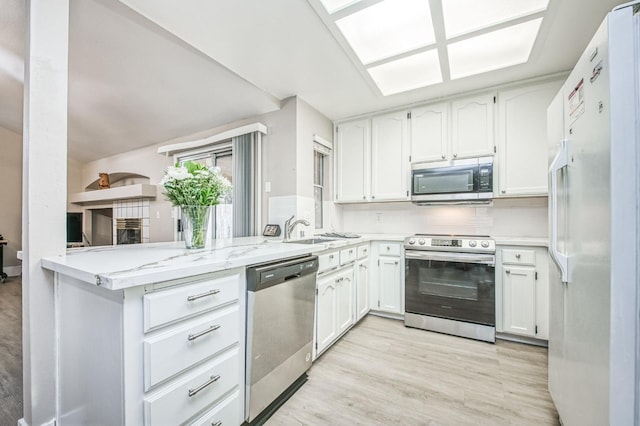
column 464, row 181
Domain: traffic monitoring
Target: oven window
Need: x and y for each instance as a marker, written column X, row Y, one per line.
column 454, row 282
column 442, row 182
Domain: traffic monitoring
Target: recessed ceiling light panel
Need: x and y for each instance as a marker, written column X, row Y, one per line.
column 335, row 5
column 388, row 28
column 411, row 72
column 465, row 16
column 498, row 49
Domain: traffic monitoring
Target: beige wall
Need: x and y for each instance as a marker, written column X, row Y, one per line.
column 11, row 194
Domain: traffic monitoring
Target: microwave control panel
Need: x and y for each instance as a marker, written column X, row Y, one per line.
column 485, row 178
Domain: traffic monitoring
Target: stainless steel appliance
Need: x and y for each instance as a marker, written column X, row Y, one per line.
column 280, row 316
column 450, row 285
column 594, row 330
column 464, row 181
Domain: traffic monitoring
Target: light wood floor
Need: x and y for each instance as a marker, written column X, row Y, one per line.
column 382, row 373
column 10, row 351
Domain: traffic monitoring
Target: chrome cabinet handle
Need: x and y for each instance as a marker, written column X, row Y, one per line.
column 455, row 155
column 518, row 256
column 364, row 197
column 202, row 333
column 373, row 196
column 218, row 423
column 200, row 296
column 350, row 251
column 330, row 256
column 396, row 262
column 508, row 271
column 503, row 191
column 443, row 156
column 211, row 380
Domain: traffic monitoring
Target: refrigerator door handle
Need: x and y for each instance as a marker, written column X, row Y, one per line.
column 559, row 162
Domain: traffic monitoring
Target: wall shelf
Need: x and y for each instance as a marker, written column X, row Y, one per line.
column 113, row 194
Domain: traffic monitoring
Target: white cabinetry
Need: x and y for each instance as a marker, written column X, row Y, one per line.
column 372, row 159
column 472, row 126
column 334, row 307
column 522, row 139
column 523, row 291
column 165, row 353
column 362, row 288
column 389, row 157
column 429, row 132
column 352, row 161
column 387, row 286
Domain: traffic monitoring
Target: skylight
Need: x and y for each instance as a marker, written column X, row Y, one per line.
column 465, row 16
column 412, row 72
column 388, row 28
column 498, row 49
column 400, row 44
column 335, row 5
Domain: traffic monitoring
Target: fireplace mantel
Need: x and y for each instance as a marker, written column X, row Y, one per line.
column 142, row 190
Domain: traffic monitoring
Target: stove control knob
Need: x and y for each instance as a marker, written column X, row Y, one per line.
column 473, row 243
column 421, row 241
column 485, row 244
column 412, row 241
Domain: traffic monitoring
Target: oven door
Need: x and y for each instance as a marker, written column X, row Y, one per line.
column 458, row 286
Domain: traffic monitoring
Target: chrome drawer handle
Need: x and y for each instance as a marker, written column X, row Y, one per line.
column 218, row 423
column 202, row 333
column 211, row 380
column 508, row 271
column 518, row 256
column 330, row 256
column 200, row 296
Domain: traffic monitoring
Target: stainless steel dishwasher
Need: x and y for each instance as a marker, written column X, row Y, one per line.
column 280, row 318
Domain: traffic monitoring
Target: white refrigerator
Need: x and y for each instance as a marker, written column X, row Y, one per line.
column 594, row 240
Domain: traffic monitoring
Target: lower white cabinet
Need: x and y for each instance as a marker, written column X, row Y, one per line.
column 522, row 291
column 334, row 306
column 362, row 288
column 387, row 284
column 164, row 353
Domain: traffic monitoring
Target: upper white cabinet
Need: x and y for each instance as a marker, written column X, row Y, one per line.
column 472, row 126
column 372, row 159
column 352, row 166
column 429, row 132
column 389, row 157
column 522, row 139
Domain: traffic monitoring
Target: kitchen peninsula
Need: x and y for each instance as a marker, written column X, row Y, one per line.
column 153, row 333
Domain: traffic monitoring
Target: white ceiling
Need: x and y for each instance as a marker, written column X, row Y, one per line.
column 132, row 84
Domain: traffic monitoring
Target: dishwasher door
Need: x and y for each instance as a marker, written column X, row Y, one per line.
column 280, row 321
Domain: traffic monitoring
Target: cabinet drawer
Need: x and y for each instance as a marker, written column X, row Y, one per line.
column 181, row 347
column 363, row 251
column 348, row 255
column 328, row 261
column 175, row 404
column 227, row 412
column 519, row 257
column 165, row 306
column 389, row 249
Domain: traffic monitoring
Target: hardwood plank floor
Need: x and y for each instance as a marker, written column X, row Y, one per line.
column 10, row 351
column 382, row 373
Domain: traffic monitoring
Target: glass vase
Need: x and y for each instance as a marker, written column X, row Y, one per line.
column 195, row 224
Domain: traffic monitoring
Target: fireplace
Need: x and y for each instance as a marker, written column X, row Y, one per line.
column 129, row 231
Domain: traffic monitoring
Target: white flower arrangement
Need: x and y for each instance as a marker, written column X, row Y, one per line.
column 194, row 184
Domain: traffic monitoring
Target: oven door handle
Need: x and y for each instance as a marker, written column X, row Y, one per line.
column 485, row 259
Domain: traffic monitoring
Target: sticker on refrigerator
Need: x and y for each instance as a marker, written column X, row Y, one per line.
column 576, row 102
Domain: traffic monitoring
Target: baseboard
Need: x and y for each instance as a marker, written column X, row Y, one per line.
column 522, row 339
column 387, row 315
column 22, row 422
column 13, row 271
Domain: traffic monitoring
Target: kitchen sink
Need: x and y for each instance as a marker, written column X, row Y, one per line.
column 313, row 241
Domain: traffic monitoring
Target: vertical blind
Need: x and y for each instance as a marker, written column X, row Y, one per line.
column 246, row 173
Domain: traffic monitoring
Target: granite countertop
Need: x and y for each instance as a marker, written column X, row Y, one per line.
column 123, row 266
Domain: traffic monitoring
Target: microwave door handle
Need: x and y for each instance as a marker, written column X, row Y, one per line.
column 481, row 259
column 560, row 161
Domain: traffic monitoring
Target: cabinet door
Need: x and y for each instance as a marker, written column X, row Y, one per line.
column 326, row 325
column 522, row 139
column 352, row 161
column 472, row 127
column 519, row 287
column 345, row 289
column 429, row 132
column 362, row 289
column 389, row 157
column 389, row 283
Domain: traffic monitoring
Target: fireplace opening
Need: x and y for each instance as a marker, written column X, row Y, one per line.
column 129, row 231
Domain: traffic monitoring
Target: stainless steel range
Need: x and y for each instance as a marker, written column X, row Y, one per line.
column 450, row 285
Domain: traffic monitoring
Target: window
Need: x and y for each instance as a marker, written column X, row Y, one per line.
column 222, row 214
column 318, row 186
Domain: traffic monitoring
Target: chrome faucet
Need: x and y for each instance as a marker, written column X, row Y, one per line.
column 289, row 226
